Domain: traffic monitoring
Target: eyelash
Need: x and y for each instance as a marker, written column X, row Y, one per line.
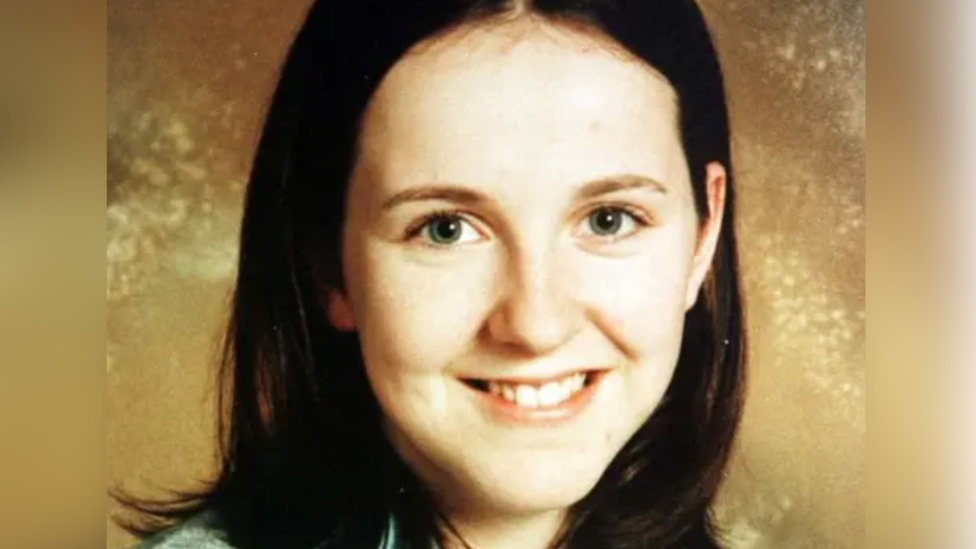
column 418, row 227
column 641, row 218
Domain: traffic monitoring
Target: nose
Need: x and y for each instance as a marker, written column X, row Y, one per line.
column 537, row 311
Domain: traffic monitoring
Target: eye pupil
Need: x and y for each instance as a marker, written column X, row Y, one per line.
column 605, row 221
column 445, row 230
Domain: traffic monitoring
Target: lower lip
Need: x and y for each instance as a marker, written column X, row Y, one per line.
column 507, row 411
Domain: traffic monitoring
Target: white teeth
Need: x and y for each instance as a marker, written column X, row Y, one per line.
column 551, row 394
column 527, row 396
column 578, row 381
column 532, row 396
column 566, row 386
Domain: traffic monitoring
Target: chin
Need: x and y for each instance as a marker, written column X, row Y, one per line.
column 526, row 493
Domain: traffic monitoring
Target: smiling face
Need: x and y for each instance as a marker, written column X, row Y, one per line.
column 520, row 214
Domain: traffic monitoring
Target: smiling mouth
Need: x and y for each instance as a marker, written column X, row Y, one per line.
column 550, row 393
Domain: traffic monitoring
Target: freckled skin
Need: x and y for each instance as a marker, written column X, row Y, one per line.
column 524, row 122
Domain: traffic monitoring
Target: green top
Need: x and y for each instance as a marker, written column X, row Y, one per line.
column 204, row 532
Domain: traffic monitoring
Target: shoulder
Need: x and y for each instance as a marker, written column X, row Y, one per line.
column 204, row 531
column 199, row 532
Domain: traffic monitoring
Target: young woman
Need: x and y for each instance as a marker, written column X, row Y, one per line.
column 488, row 292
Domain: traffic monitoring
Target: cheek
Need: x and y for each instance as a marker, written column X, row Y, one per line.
column 639, row 305
column 415, row 318
column 414, row 321
column 639, row 300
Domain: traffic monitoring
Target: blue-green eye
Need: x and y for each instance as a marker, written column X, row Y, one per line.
column 448, row 229
column 611, row 221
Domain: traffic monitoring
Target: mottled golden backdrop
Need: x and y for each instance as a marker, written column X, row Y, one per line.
column 188, row 83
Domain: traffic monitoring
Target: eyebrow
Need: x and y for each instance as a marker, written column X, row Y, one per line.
column 616, row 183
column 466, row 196
column 445, row 192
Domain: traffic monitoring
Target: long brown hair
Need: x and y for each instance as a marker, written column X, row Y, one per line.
column 304, row 458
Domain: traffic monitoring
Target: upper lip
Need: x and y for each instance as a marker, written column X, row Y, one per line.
column 532, row 379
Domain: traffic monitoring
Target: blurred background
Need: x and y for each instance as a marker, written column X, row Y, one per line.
column 52, row 237
column 188, row 83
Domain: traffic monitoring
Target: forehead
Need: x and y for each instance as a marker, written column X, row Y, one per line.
column 506, row 66
column 520, row 91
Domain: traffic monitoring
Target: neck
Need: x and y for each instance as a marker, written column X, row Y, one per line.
column 535, row 531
